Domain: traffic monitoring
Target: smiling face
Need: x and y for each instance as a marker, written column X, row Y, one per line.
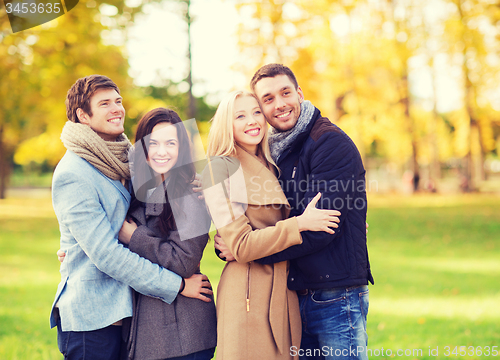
column 249, row 124
column 108, row 114
column 280, row 101
column 163, row 148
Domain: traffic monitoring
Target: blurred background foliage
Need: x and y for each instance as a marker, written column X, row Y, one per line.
column 374, row 67
column 39, row 65
column 364, row 63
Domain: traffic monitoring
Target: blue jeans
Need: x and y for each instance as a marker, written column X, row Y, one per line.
column 101, row 344
column 200, row 355
column 334, row 323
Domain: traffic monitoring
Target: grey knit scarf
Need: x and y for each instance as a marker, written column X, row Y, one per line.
column 109, row 157
column 280, row 141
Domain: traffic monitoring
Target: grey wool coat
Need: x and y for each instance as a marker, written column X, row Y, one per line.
column 159, row 330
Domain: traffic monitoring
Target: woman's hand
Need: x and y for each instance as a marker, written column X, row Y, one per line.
column 220, row 245
column 197, row 287
column 318, row 219
column 126, row 231
column 197, row 186
column 61, row 255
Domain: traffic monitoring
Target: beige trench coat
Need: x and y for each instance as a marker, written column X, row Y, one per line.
column 257, row 316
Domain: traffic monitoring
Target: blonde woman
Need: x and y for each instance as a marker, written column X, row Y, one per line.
column 258, row 317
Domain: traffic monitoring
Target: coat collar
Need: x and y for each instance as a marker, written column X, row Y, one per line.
column 262, row 186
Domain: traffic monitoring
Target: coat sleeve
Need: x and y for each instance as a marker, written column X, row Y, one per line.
column 246, row 244
column 78, row 208
column 174, row 252
column 333, row 159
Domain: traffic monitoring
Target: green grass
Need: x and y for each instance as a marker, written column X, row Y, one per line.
column 28, row 276
column 436, row 262
column 435, row 259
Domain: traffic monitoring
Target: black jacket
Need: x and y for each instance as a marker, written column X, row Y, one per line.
column 324, row 159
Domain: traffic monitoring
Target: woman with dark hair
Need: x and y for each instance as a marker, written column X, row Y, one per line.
column 168, row 225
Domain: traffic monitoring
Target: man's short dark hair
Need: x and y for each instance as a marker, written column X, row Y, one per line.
column 272, row 70
column 82, row 90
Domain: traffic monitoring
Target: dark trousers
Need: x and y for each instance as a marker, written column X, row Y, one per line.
column 101, row 344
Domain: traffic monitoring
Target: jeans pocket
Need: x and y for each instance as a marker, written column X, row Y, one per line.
column 364, row 304
column 328, row 296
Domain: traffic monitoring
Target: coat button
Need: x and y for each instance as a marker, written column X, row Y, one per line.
column 321, row 277
column 327, row 276
column 292, row 279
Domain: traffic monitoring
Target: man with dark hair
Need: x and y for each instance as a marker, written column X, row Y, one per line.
column 79, row 95
column 91, row 202
column 330, row 272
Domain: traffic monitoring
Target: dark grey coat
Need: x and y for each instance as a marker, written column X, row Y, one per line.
column 159, row 330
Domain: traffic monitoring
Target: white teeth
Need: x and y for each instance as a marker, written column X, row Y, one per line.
column 161, row 161
column 253, row 132
column 283, row 115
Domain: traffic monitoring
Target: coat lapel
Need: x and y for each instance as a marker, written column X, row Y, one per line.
column 119, row 186
column 154, row 205
column 262, row 186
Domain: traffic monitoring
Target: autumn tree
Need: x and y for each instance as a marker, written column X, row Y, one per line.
column 474, row 39
column 365, row 64
column 18, row 92
column 42, row 63
column 39, row 65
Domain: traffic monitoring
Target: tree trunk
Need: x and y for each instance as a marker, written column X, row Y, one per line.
column 435, row 170
column 191, row 111
column 401, row 25
column 415, row 167
column 468, row 183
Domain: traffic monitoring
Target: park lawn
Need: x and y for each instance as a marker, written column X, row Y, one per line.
column 435, row 259
column 436, row 263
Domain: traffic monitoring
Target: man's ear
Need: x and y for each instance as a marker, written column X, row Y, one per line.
column 82, row 116
column 301, row 94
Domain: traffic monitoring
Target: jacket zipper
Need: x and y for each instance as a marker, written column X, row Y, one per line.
column 294, row 167
column 248, row 288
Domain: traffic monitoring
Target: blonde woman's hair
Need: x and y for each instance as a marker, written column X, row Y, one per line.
column 221, row 136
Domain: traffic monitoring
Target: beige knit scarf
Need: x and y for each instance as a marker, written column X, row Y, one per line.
column 109, row 157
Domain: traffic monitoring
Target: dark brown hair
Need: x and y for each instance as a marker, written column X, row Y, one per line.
column 272, row 70
column 82, row 90
column 180, row 176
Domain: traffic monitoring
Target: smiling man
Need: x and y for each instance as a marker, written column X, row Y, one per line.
column 90, row 202
column 330, row 272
